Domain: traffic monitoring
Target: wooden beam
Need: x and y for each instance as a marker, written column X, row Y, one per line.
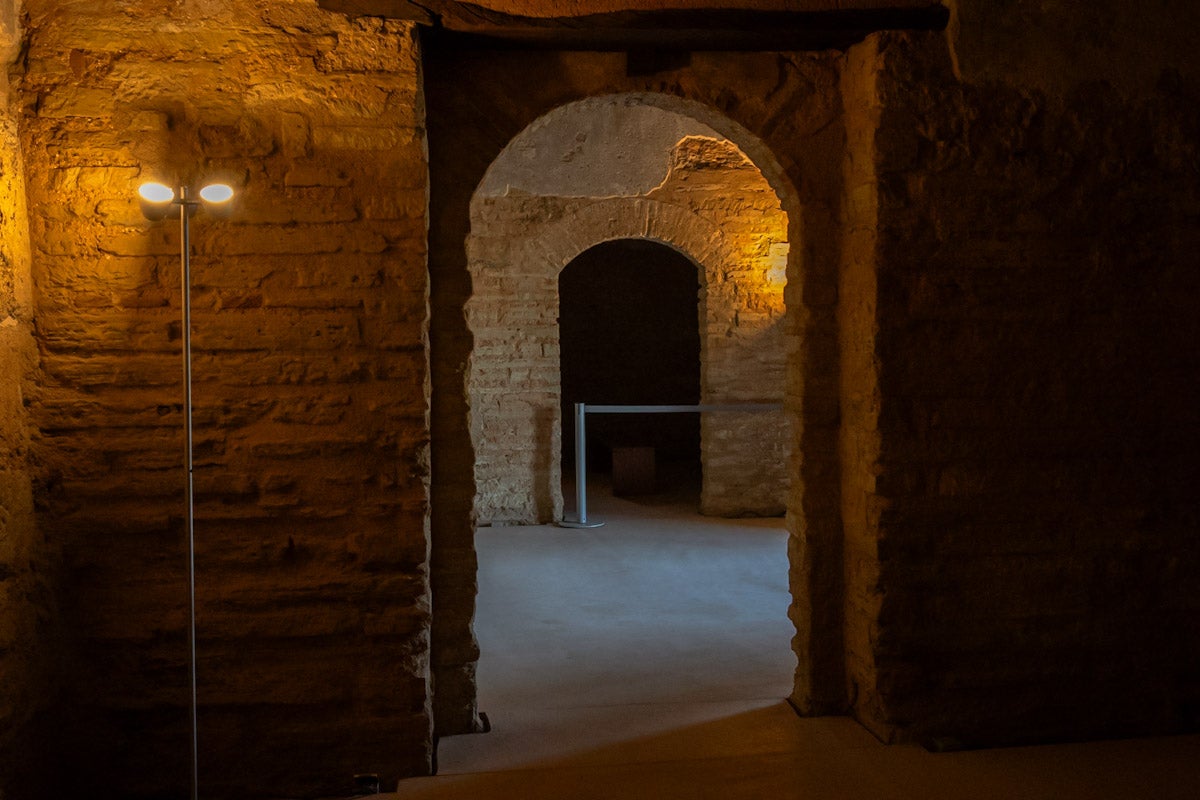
column 695, row 29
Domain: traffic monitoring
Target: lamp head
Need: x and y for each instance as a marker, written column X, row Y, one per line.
column 156, row 200
column 216, row 197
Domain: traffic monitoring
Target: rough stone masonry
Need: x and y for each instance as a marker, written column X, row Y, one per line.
column 990, row 328
column 310, row 389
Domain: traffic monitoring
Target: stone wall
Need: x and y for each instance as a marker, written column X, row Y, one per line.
column 857, row 580
column 991, row 351
column 1034, row 510
column 27, row 559
column 310, row 391
column 706, row 199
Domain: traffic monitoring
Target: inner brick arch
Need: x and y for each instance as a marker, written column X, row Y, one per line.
column 513, row 382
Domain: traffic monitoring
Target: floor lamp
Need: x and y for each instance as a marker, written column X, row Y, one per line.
column 157, row 201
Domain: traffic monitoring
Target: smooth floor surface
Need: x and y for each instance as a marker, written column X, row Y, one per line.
column 650, row 658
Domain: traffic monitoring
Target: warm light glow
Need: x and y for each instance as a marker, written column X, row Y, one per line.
column 155, row 199
column 156, row 193
column 777, row 258
column 216, row 193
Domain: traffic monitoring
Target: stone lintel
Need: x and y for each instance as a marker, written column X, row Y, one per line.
column 662, row 29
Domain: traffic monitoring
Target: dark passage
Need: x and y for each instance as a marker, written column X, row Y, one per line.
column 629, row 333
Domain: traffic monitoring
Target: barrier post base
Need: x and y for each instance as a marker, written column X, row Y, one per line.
column 574, row 523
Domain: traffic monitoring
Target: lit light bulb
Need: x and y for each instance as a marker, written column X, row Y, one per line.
column 216, row 193
column 156, row 199
column 156, row 193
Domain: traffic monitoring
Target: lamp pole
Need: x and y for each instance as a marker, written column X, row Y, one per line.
column 185, row 259
column 156, row 202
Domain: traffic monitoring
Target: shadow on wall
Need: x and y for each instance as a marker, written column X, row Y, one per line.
column 547, row 443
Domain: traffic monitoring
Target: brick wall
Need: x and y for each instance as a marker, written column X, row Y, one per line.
column 310, row 391
column 27, row 558
column 712, row 204
column 1035, row 510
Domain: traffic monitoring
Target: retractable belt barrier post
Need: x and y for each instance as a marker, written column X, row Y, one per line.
column 581, row 520
column 583, row 409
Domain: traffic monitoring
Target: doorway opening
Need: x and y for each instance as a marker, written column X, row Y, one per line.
column 622, row 250
column 526, row 177
column 629, row 334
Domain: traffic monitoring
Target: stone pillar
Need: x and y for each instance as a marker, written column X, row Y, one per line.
column 28, row 566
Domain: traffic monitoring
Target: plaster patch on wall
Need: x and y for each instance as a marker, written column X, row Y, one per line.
column 10, row 30
column 600, row 147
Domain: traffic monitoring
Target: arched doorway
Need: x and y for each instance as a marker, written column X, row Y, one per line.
column 629, row 335
column 602, row 169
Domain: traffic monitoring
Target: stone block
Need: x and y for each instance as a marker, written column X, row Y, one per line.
column 77, row 102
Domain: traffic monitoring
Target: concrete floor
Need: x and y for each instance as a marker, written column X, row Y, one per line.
column 649, row 658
